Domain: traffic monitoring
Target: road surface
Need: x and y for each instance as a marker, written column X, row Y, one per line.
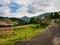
column 50, row 36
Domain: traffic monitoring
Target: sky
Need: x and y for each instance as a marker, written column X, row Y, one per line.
column 20, row 8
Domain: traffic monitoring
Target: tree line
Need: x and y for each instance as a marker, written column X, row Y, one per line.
column 34, row 20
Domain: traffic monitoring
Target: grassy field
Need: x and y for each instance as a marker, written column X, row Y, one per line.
column 20, row 33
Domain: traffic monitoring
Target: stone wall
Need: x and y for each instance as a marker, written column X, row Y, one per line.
column 6, row 30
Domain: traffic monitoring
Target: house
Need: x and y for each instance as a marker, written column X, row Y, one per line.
column 6, row 26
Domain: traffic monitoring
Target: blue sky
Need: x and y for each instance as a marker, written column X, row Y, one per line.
column 20, row 8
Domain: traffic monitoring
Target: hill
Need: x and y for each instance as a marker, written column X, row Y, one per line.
column 18, row 20
column 25, row 18
column 45, row 14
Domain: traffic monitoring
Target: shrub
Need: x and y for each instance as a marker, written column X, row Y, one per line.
column 44, row 25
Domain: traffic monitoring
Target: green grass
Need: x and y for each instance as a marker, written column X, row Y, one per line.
column 59, row 25
column 20, row 33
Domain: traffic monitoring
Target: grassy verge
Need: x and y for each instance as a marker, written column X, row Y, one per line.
column 20, row 33
column 59, row 25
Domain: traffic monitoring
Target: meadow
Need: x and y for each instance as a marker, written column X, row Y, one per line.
column 20, row 33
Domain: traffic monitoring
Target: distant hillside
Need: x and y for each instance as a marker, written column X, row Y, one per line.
column 25, row 18
column 45, row 14
column 19, row 20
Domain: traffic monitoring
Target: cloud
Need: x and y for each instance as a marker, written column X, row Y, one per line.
column 4, row 11
column 4, row 2
column 23, row 2
column 40, row 6
column 13, row 7
column 20, row 8
column 57, row 5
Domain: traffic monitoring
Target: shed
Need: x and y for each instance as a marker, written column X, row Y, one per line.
column 6, row 26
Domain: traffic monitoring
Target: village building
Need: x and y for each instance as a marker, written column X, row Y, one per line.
column 6, row 26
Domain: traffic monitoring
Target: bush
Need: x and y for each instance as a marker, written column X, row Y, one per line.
column 44, row 25
column 34, row 20
column 4, row 36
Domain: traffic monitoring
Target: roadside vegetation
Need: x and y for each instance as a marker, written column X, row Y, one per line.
column 26, row 30
column 20, row 33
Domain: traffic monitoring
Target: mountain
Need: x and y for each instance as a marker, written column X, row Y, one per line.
column 25, row 18
column 43, row 15
column 21, row 22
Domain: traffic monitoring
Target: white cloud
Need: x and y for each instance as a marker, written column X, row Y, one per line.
column 23, row 2
column 57, row 5
column 4, row 2
column 30, row 7
column 4, row 11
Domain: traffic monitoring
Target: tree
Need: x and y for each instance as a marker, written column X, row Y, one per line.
column 51, row 16
column 15, row 23
column 34, row 20
column 56, row 15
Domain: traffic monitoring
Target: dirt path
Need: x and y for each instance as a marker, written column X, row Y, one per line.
column 50, row 36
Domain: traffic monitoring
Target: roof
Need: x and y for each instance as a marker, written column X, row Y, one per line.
column 5, row 22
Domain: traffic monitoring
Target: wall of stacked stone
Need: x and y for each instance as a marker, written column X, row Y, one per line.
column 6, row 30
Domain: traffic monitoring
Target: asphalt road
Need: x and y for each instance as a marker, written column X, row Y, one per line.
column 50, row 36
